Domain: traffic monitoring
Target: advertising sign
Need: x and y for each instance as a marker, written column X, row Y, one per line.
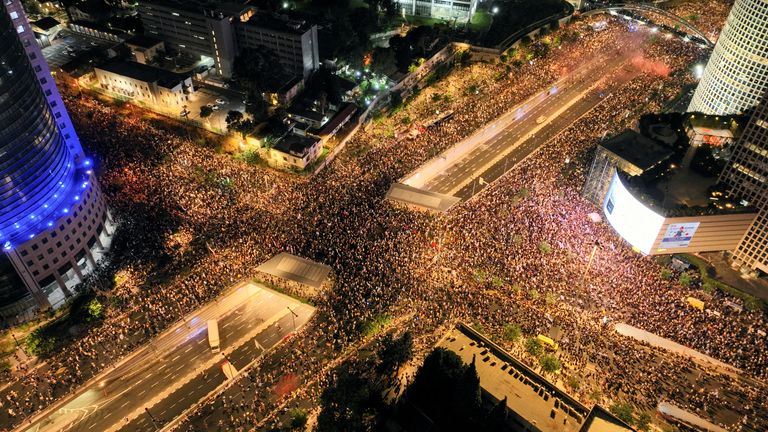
column 678, row 235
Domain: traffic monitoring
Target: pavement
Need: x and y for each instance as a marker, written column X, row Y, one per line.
column 672, row 346
column 57, row 55
column 177, row 369
column 497, row 147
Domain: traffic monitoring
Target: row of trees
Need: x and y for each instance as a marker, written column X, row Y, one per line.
column 354, row 401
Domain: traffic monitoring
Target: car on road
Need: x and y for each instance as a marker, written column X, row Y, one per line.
column 221, row 101
column 541, row 119
column 215, row 107
column 210, row 105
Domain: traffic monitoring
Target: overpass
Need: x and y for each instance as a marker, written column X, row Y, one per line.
column 642, row 7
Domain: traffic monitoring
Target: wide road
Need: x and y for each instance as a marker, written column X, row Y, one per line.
column 499, row 145
column 178, row 368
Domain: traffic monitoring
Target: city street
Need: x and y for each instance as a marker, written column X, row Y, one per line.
column 500, row 145
column 178, row 368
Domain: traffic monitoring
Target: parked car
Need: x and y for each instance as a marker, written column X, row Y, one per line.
column 221, row 101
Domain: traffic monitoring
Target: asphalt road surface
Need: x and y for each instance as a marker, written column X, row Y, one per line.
column 520, row 137
column 178, row 368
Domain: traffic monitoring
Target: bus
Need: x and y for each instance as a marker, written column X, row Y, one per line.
column 213, row 335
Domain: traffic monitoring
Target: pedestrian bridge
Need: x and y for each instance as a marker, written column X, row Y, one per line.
column 638, row 7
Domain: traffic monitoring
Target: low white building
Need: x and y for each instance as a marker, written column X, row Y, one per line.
column 295, row 151
column 145, row 83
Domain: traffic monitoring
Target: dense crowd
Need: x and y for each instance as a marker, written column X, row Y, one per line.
column 192, row 222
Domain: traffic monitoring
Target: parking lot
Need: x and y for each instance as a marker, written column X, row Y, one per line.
column 68, row 45
column 228, row 100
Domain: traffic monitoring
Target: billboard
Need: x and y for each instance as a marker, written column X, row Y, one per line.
column 634, row 222
column 678, row 235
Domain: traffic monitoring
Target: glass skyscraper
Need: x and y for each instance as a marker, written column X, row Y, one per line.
column 52, row 217
column 747, row 175
column 737, row 72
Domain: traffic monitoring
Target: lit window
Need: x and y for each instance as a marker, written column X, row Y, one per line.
column 20, row 29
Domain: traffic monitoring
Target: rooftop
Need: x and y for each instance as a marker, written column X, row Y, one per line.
column 530, row 396
column 640, row 151
column 46, row 23
column 725, row 126
column 295, row 145
column 142, row 72
column 671, row 176
column 279, row 23
column 143, row 41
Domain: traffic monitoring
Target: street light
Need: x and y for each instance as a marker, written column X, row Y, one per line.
column 293, row 317
column 151, row 417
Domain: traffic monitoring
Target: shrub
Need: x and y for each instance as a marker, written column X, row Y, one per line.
column 544, row 247
column 623, row 411
column 684, row 279
column 533, row 346
column 298, row 417
column 511, row 332
column 534, row 294
column 666, row 274
column 550, row 363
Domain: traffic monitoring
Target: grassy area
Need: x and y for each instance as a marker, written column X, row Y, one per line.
column 282, row 290
column 374, row 326
column 480, row 22
column 710, row 284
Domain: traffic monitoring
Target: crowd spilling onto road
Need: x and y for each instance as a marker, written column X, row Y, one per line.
column 192, row 222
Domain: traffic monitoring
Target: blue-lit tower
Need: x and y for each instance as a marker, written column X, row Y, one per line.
column 54, row 225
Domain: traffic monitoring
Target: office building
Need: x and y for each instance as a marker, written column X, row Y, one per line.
column 446, row 9
column 294, row 42
column 747, row 175
column 737, row 72
column 54, row 223
column 218, row 34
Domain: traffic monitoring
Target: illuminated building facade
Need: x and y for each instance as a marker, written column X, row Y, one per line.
column 459, row 9
column 53, row 222
column 747, row 175
column 737, row 72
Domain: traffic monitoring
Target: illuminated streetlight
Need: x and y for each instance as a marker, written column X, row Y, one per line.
column 495, row 10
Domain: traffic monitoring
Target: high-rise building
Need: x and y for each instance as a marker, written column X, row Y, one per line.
column 737, row 72
column 54, row 223
column 747, row 174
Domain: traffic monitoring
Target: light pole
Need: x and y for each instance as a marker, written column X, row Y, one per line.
column 293, row 317
column 151, row 417
column 589, row 263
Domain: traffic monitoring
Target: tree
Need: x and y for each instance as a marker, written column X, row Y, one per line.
column 384, row 61
column 533, row 346
column 205, row 111
column 298, row 418
column 511, row 332
column 550, row 363
column 497, row 417
column 623, row 411
column 395, row 352
column 347, row 405
column 644, row 421
column 257, row 107
column 245, row 127
column 233, row 118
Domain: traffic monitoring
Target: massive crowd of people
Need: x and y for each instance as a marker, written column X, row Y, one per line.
column 192, row 222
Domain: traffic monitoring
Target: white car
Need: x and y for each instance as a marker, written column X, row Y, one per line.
column 215, row 107
column 210, row 105
column 221, row 101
